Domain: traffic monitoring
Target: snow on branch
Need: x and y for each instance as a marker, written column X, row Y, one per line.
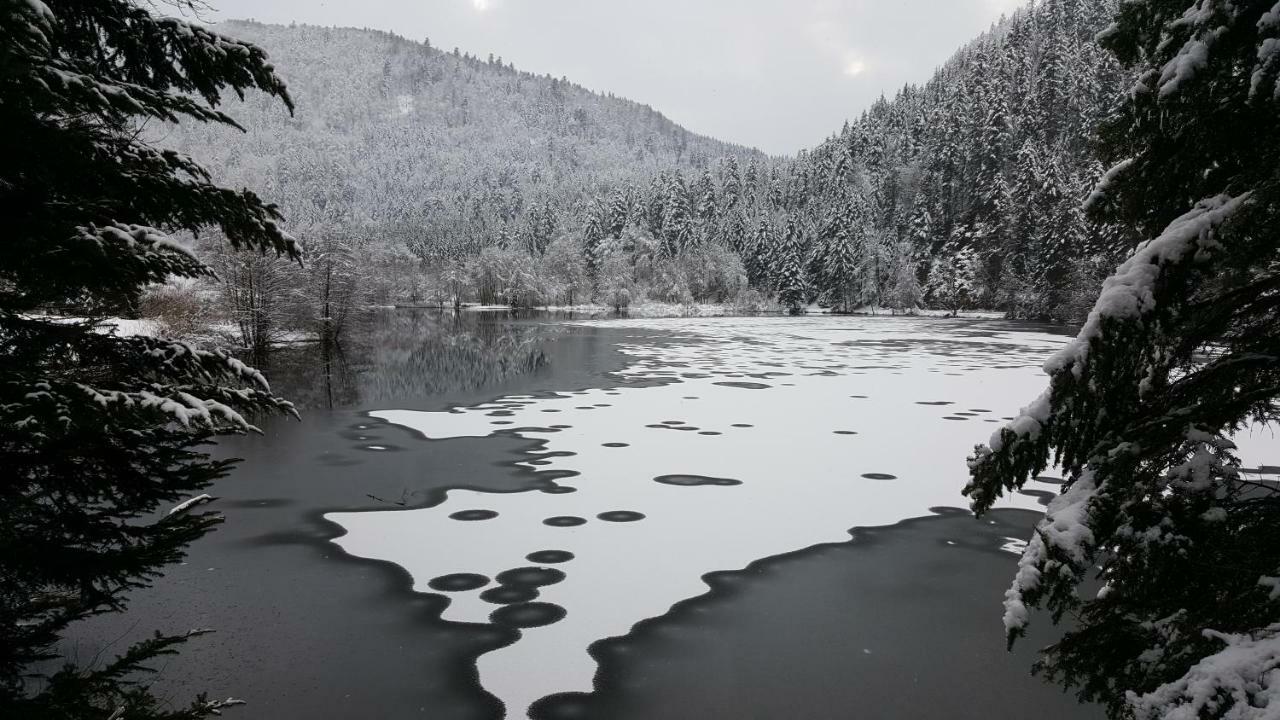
column 1193, row 56
column 1189, row 60
column 186, row 505
column 183, row 408
column 150, row 250
column 1028, row 424
column 39, row 19
column 1268, row 52
column 181, row 358
column 139, row 238
column 1065, row 530
column 1203, row 468
column 1208, row 21
column 216, row 706
column 1105, row 184
column 1128, row 293
column 1243, row 676
column 73, row 92
column 187, row 409
column 247, row 373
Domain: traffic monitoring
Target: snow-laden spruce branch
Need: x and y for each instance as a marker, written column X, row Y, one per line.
column 1128, row 294
column 1241, row 676
column 196, row 60
column 181, row 407
column 1106, row 184
column 1064, row 541
column 1195, row 34
column 1149, row 471
column 189, row 503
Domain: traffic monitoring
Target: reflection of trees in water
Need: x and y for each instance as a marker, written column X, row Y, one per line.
column 403, row 354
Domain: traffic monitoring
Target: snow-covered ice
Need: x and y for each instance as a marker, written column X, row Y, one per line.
column 825, row 423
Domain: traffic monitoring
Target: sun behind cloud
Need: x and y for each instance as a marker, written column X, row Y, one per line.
column 481, row 5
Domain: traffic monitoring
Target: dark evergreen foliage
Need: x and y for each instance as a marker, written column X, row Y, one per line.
column 98, row 431
column 1181, row 351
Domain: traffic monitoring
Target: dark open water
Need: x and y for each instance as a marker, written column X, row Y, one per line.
column 897, row 621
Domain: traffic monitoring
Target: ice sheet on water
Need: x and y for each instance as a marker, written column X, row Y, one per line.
column 639, row 546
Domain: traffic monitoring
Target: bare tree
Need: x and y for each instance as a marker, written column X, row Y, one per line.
column 256, row 294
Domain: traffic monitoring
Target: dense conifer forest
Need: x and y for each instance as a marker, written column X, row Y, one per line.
column 432, row 176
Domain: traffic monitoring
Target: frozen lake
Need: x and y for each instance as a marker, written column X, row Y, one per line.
column 730, row 441
column 485, row 516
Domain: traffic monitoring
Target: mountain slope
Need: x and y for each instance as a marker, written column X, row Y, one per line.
column 964, row 191
column 482, row 183
column 436, row 151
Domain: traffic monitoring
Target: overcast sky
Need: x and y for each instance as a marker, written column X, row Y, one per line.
column 779, row 75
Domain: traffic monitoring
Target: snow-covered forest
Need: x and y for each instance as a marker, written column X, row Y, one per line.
column 418, row 175
column 1111, row 162
column 422, row 175
column 974, row 182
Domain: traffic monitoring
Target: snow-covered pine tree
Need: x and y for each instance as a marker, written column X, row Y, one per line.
column 840, row 271
column 841, row 265
column 759, row 258
column 1181, row 350
column 593, row 234
column 903, row 293
column 871, row 259
column 730, row 183
column 653, row 205
column 733, row 233
column 540, row 228
column 951, row 280
column 705, row 195
column 99, row 431
column 789, row 275
column 677, row 216
column 619, row 213
column 751, row 178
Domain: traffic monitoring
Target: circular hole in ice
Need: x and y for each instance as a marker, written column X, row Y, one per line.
column 458, row 582
column 564, row 521
column 695, row 480
column 530, row 576
column 621, row 516
column 507, row 594
column 474, row 515
column 527, row 615
column 549, row 556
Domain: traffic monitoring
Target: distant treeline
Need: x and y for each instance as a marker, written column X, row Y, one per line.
column 422, row 175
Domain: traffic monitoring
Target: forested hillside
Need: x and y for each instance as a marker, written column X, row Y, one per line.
column 984, row 171
column 418, row 175
column 966, row 191
column 413, row 156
